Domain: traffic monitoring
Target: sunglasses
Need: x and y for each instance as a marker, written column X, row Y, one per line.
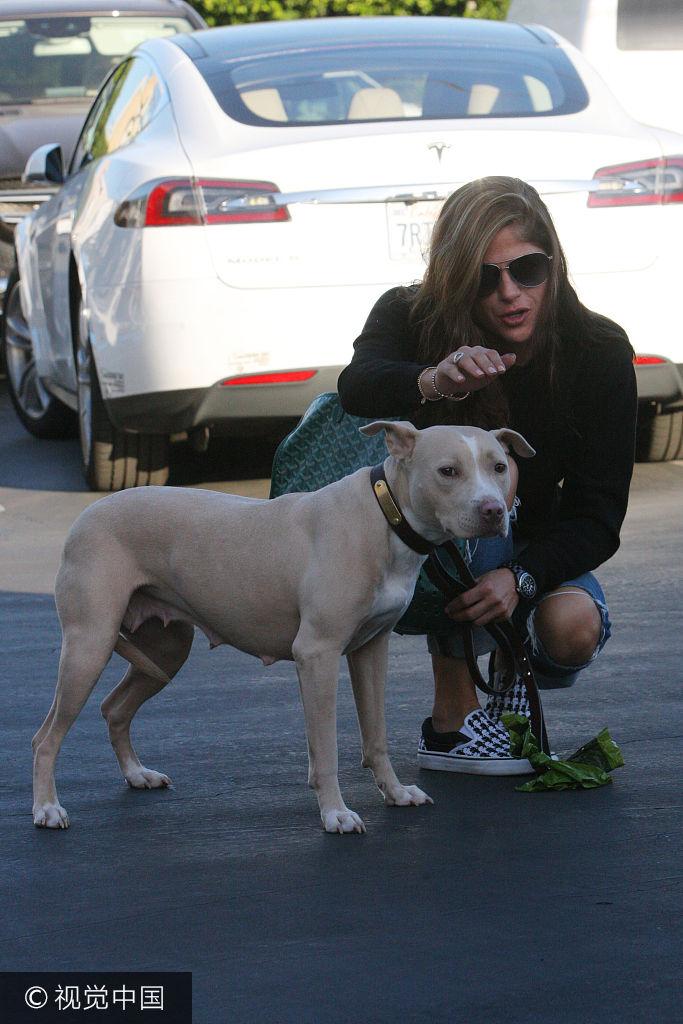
column 526, row 271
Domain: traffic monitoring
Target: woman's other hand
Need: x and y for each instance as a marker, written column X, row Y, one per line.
column 471, row 369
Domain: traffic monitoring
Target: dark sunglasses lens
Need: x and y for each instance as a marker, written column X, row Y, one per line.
column 530, row 270
column 488, row 282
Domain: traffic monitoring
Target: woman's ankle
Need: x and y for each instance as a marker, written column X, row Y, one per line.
column 455, row 694
column 451, row 719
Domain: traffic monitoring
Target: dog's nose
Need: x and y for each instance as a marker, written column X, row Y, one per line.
column 492, row 511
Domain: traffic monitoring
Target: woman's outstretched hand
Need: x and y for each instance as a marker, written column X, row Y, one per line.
column 471, row 369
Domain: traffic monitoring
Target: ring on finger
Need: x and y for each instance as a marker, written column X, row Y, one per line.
column 457, row 356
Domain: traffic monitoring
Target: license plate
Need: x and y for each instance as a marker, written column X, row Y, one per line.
column 410, row 229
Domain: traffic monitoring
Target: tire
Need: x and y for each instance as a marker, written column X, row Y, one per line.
column 112, row 459
column 40, row 413
column 659, row 436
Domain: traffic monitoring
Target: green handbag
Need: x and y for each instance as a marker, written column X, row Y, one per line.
column 327, row 445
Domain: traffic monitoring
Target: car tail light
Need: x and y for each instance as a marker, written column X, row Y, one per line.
column 285, row 377
column 642, row 183
column 177, row 201
column 649, row 360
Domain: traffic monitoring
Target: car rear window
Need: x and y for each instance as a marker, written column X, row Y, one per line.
column 64, row 58
column 331, row 84
column 655, row 25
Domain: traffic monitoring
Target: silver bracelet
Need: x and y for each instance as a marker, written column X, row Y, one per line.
column 423, row 398
column 439, row 394
column 451, row 398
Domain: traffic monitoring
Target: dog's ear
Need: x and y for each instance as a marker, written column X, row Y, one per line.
column 400, row 436
column 511, row 439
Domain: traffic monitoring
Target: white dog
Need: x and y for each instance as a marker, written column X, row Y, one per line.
column 306, row 577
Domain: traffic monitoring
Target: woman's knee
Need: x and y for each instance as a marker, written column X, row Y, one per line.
column 568, row 627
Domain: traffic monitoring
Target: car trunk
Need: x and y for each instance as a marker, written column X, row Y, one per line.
column 355, row 241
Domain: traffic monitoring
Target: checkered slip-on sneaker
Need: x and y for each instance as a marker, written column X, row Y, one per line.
column 479, row 747
column 515, row 701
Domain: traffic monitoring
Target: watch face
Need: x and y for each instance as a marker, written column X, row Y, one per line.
column 526, row 584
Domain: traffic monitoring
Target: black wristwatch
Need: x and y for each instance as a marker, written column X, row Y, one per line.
column 525, row 584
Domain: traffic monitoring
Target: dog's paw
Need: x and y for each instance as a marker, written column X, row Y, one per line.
column 146, row 778
column 406, row 796
column 50, row 816
column 342, row 821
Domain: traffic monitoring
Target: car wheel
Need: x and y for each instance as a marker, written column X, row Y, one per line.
column 659, row 436
column 41, row 413
column 112, row 459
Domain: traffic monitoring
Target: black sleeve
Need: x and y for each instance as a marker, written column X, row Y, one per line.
column 597, row 473
column 381, row 379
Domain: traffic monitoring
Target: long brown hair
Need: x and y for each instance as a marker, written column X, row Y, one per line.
column 444, row 304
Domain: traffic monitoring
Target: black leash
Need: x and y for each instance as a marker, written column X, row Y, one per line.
column 508, row 640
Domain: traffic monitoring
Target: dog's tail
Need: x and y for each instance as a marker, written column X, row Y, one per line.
column 128, row 649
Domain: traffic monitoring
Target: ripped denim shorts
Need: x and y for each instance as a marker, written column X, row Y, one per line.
column 490, row 553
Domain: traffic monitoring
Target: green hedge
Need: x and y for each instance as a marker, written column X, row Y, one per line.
column 231, row 12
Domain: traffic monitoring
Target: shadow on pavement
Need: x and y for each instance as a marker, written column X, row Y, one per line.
column 235, row 458
column 45, row 465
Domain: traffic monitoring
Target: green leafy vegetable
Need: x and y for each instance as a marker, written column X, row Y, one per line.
column 586, row 768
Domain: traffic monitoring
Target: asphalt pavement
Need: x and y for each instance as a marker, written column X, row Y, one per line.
column 489, row 907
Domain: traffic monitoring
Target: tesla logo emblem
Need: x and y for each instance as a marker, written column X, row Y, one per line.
column 438, row 148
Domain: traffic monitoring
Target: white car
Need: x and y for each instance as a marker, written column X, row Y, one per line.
column 239, row 198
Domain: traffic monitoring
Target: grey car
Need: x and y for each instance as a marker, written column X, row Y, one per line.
column 53, row 58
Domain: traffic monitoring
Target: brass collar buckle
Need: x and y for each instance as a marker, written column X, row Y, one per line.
column 393, row 515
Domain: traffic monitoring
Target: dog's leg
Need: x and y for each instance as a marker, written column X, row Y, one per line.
column 84, row 655
column 318, row 670
column 168, row 647
column 368, row 668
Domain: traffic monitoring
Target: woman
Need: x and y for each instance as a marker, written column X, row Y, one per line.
column 495, row 335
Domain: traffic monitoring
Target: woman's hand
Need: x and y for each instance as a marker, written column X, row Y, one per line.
column 493, row 598
column 471, row 369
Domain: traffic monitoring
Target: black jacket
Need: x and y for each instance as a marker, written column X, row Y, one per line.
column 574, row 492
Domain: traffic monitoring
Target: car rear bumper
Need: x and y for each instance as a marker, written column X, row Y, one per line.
column 242, row 409
column 15, row 203
column 174, row 337
column 6, row 257
column 231, row 410
column 236, row 410
column 661, row 382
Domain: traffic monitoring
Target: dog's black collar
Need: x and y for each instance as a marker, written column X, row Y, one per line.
column 393, row 515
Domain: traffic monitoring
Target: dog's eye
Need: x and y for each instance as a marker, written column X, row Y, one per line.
column 448, row 471
column 500, row 467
